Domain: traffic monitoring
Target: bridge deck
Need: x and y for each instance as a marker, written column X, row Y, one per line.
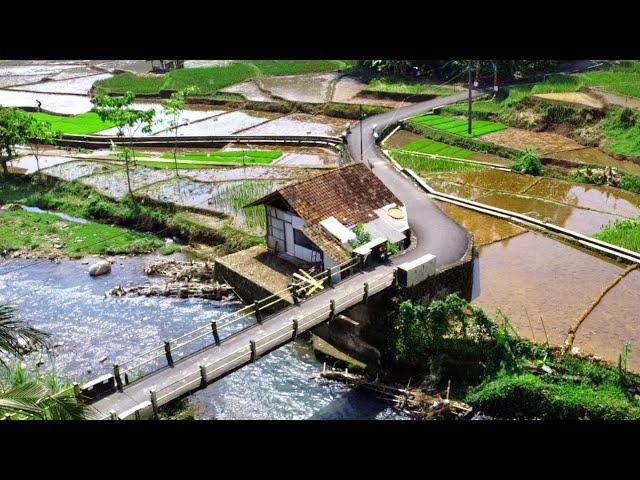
column 276, row 330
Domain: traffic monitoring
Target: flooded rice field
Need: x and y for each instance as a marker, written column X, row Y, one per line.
column 310, row 88
column 51, row 102
column 241, row 173
column 613, row 322
column 186, row 192
column 75, row 169
column 577, row 219
column 540, row 284
column 248, row 90
column 300, row 124
column 80, row 85
column 401, row 139
column 62, row 299
column 542, row 142
column 226, row 124
column 595, row 156
column 114, row 184
column 28, row 164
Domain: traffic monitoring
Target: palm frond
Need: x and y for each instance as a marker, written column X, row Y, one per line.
column 16, row 335
column 35, row 401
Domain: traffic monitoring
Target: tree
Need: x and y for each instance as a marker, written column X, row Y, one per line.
column 24, row 398
column 118, row 110
column 173, row 108
column 40, row 133
column 14, row 130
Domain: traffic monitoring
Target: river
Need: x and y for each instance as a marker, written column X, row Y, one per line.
column 64, row 300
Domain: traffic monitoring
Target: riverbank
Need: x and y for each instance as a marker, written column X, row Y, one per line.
column 155, row 219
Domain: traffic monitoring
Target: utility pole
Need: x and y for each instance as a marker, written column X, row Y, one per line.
column 361, row 118
column 470, row 113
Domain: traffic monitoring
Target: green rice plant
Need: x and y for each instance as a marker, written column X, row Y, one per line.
column 558, row 83
column 82, row 124
column 425, row 164
column 458, row 126
column 233, row 199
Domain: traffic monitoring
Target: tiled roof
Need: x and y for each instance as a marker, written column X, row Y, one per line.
column 350, row 194
column 326, row 243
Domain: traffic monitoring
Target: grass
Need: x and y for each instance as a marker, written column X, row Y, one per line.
column 407, row 87
column 42, row 231
column 262, row 157
column 558, row 83
column 210, row 79
column 479, row 107
column 623, row 79
column 423, row 164
column 82, row 124
column 621, row 129
column 624, row 233
column 457, row 126
column 79, row 200
column 429, row 146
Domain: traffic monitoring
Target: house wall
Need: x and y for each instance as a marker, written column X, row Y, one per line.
column 280, row 225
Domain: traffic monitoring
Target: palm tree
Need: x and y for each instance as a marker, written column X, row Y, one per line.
column 24, row 398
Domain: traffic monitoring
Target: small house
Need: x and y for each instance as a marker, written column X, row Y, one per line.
column 317, row 221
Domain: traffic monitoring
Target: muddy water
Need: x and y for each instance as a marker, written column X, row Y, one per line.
column 240, row 173
column 187, row 192
column 28, row 164
column 485, row 229
column 542, row 142
column 80, row 85
column 300, row 124
column 577, row 219
column 75, row 169
column 313, row 88
column 63, row 300
column 606, row 199
column 613, row 322
column 491, row 180
column 532, row 277
column 306, row 159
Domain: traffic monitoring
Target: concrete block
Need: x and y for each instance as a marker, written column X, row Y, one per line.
column 415, row 272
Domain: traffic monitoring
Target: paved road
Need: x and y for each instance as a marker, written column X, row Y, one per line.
column 436, row 232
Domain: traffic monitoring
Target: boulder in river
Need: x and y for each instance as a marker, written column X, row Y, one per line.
column 99, row 268
column 10, row 207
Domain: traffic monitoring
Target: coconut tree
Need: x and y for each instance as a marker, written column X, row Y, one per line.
column 23, row 398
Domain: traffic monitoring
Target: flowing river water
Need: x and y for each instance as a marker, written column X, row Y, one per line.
column 64, row 300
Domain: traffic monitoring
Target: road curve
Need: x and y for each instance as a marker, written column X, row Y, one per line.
column 436, row 232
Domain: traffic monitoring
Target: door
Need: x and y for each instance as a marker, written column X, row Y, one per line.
column 288, row 232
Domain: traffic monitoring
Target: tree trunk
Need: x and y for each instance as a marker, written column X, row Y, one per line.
column 5, row 170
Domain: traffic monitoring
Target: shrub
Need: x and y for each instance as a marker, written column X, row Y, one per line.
column 528, row 163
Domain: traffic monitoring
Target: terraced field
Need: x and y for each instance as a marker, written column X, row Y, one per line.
column 458, row 126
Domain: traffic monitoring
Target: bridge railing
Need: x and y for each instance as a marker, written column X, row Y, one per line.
column 250, row 352
column 154, row 358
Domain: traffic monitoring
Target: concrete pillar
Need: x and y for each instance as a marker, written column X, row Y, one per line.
column 256, row 309
column 295, row 329
column 203, row 375
column 366, row 291
column 214, row 330
column 116, row 374
column 254, row 355
column 113, row 415
column 167, row 352
column 332, row 311
column 76, row 390
column 330, row 277
column 154, row 403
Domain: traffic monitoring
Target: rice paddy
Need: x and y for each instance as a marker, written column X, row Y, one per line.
column 458, row 126
column 82, row 124
column 233, row 199
column 423, row 164
column 436, row 148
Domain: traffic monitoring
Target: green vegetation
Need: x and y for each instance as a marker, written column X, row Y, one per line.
column 480, row 108
column 170, row 249
column 232, row 201
column 210, row 79
column 263, row 157
column 621, row 129
column 362, row 236
column 502, row 375
column 457, row 126
column 558, row 83
column 436, row 148
column 46, row 232
column 404, row 86
column 79, row 200
column 528, row 163
column 623, row 79
column 82, row 124
column 424, row 164
column 25, row 396
column 624, row 233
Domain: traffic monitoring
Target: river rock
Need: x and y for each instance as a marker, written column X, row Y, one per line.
column 9, row 207
column 100, row 268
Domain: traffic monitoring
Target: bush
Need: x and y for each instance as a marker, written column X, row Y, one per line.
column 528, row 163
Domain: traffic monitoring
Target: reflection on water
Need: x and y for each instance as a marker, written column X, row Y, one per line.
column 64, row 300
column 539, row 283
